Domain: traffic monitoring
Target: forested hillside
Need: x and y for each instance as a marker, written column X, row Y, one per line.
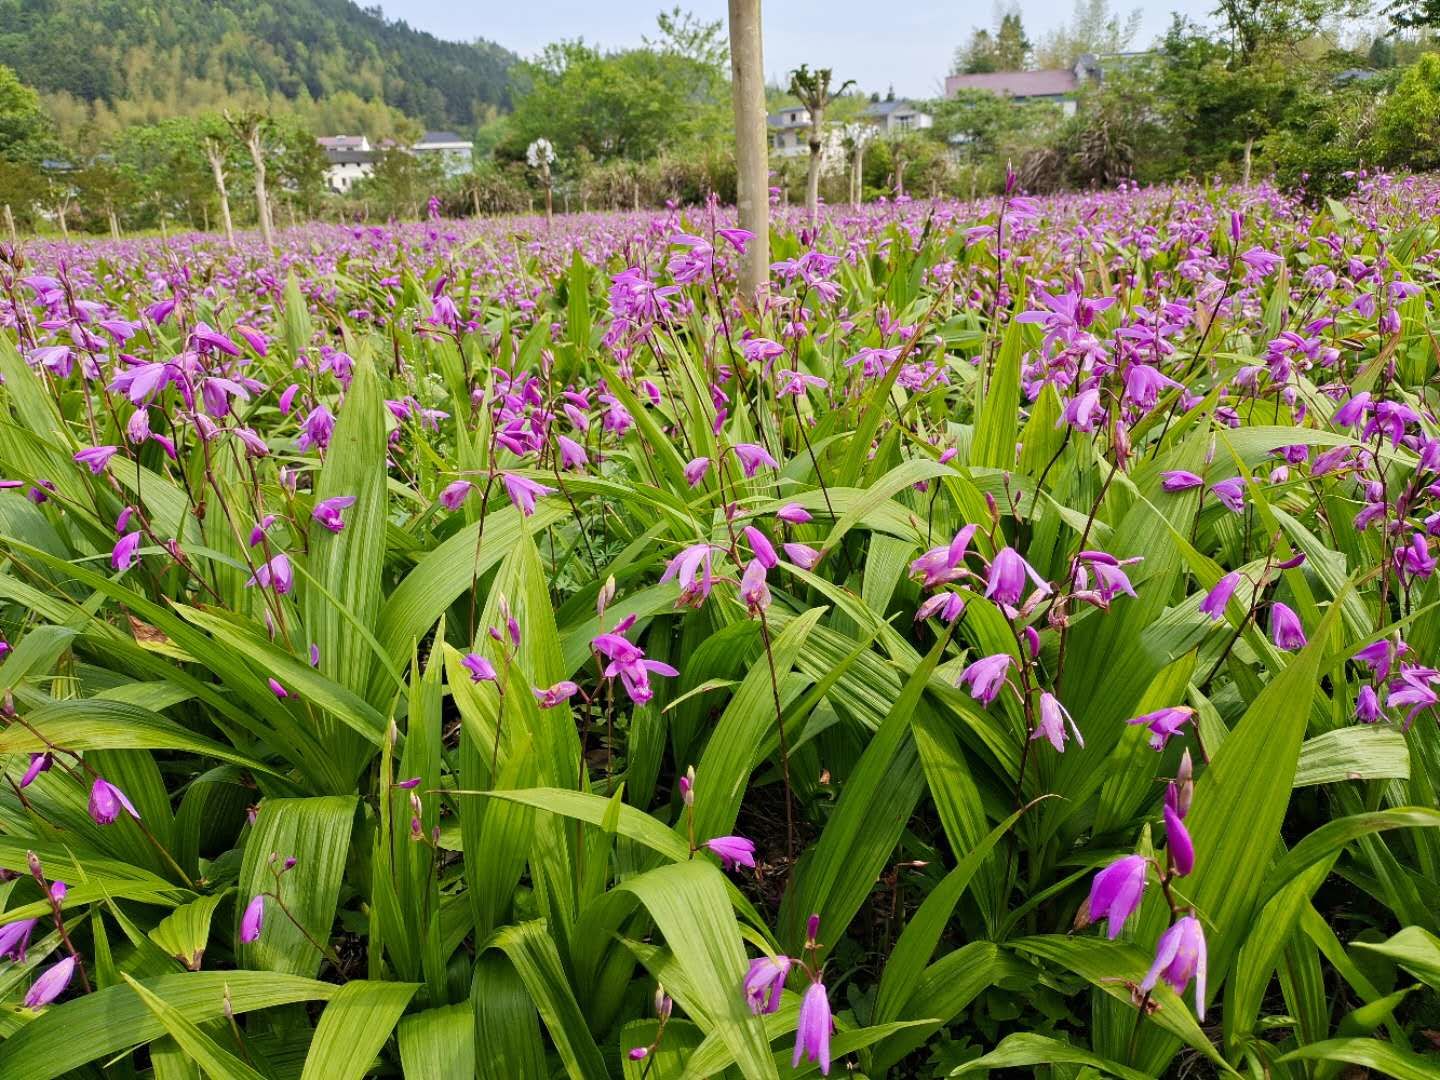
column 139, row 59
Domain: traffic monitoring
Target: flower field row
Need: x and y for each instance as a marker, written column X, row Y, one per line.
column 500, row 649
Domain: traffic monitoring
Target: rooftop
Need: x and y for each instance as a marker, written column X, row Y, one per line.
column 1022, row 84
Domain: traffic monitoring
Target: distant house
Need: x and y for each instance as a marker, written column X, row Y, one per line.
column 455, row 153
column 896, row 115
column 790, row 131
column 348, row 158
column 1059, row 86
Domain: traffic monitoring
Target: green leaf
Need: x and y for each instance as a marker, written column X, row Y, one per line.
column 98, row 1025
column 1388, row 1059
column 217, row 1062
column 532, row 951
column 316, row 833
column 184, row 932
column 1023, row 1048
column 354, row 1026
column 1413, row 948
column 438, row 1043
column 997, row 411
column 689, row 905
column 506, row 1034
column 1353, row 753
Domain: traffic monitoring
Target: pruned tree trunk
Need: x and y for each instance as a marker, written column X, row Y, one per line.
column 114, row 223
column 752, row 142
column 10, row 226
column 857, row 175
column 61, row 210
column 255, row 143
column 812, row 177
column 1249, row 150
column 215, row 155
column 475, row 198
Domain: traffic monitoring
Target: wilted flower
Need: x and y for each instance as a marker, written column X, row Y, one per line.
column 554, row 695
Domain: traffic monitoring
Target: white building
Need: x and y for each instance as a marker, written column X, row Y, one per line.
column 790, row 135
column 455, row 153
column 896, row 115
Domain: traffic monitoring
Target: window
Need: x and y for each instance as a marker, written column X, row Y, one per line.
column 904, row 122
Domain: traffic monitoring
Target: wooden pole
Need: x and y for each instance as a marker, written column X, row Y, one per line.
column 752, row 143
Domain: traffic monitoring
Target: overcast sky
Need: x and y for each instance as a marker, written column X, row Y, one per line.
column 904, row 43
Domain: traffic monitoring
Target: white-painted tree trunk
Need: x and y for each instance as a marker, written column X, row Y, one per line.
column 812, row 176
column 255, row 143
column 752, row 142
column 216, row 157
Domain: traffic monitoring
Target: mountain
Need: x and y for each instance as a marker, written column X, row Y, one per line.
column 127, row 55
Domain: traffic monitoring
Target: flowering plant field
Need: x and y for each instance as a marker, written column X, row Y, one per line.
column 491, row 649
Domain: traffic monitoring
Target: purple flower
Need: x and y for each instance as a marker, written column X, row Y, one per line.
column 693, row 568
column 1179, row 480
column 455, row 494
column 95, row 458
column 572, row 454
column 523, row 491
column 15, row 939
column 481, row 670
column 943, row 564
column 628, row 662
column 1177, row 842
column 1367, row 705
column 1380, row 656
column 1006, row 581
column 50, row 985
column 761, row 546
column 1412, row 688
column 1231, row 493
column 554, row 695
column 327, row 511
column 38, row 763
column 1053, row 717
column 764, row 983
column 123, row 557
column 812, row 1030
column 1285, row 628
column 1180, row 957
column 733, row 851
column 1164, row 723
column 986, row 676
column 947, row 605
column 793, row 514
column 752, row 456
column 1110, row 577
column 106, row 802
column 695, row 470
column 1115, row 894
column 276, row 574
column 1215, row 600
column 277, row 689
column 253, row 920
column 802, row 555
column 1353, row 411
column 753, row 588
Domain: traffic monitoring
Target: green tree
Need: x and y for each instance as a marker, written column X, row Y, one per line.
column 25, row 130
column 1407, row 130
column 1093, row 28
column 1005, row 48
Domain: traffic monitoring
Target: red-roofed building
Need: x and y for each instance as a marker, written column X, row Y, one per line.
column 1059, row 86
